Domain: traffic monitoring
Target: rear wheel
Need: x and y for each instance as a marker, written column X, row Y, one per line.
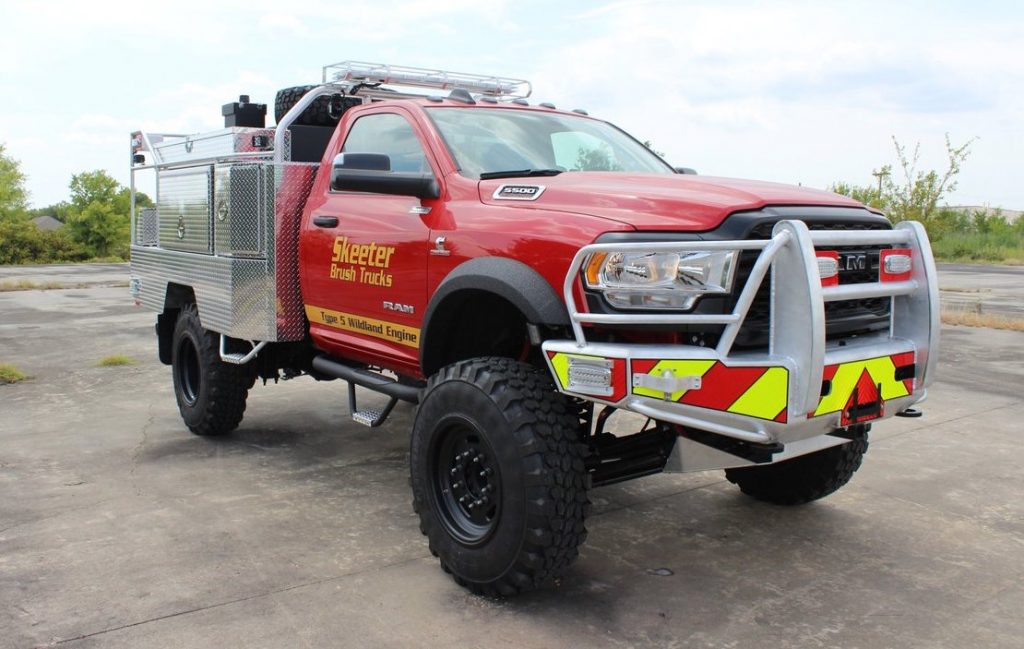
column 805, row 478
column 211, row 394
column 498, row 476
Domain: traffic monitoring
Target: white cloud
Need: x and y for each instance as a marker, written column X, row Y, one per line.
column 795, row 92
column 790, row 90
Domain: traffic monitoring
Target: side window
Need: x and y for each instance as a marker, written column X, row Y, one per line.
column 389, row 134
column 577, row 151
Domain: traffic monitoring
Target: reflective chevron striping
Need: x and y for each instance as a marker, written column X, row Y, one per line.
column 760, row 392
column 766, row 399
column 843, row 379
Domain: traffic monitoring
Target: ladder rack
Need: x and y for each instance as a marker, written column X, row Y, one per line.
column 362, row 72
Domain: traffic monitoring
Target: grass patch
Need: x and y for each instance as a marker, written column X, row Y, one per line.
column 986, row 320
column 11, row 374
column 117, row 360
column 977, row 247
column 28, row 285
column 961, row 290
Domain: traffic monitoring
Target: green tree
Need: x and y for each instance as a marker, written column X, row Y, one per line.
column 99, row 213
column 650, row 145
column 93, row 187
column 21, row 242
column 13, row 195
column 864, row 193
column 100, row 229
column 917, row 194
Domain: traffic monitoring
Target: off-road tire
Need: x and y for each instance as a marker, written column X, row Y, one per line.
column 211, row 393
column 317, row 114
column 805, row 478
column 530, row 436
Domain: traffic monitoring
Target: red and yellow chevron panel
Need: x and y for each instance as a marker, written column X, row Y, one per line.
column 874, row 378
column 761, row 392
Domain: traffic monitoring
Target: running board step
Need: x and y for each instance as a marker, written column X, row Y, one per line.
column 368, row 417
column 371, row 417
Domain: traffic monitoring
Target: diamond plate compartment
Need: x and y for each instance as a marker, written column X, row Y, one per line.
column 147, row 227
column 246, row 283
column 293, row 182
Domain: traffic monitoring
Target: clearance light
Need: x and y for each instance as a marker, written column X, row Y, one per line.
column 593, row 269
column 895, row 265
column 828, row 267
column 590, row 376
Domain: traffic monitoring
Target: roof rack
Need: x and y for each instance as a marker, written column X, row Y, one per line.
column 361, row 72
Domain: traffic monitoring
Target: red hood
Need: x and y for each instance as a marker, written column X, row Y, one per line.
column 659, row 201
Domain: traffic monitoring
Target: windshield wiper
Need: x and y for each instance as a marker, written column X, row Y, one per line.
column 519, row 173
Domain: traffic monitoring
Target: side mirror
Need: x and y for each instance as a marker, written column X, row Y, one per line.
column 686, row 170
column 371, row 173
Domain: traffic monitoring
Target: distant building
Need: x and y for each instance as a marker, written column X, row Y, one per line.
column 47, row 223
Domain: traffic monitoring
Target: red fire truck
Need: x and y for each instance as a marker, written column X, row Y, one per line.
column 522, row 273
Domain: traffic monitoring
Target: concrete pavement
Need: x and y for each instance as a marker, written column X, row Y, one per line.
column 120, row 529
column 991, row 290
column 70, row 275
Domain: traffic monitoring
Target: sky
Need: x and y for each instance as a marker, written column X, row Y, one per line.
column 808, row 92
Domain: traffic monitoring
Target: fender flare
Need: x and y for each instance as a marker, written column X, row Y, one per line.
column 522, row 286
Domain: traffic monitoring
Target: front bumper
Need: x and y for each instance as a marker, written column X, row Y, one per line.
column 799, row 388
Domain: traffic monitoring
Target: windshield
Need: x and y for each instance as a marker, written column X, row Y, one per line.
column 489, row 141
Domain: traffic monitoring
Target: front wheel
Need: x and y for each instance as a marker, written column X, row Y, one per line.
column 805, row 478
column 211, row 394
column 498, row 476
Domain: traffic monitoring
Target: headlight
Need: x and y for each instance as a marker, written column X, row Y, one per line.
column 660, row 280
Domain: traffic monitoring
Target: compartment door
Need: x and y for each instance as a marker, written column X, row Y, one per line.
column 183, row 204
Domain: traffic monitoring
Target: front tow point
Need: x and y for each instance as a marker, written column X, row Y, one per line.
column 910, row 412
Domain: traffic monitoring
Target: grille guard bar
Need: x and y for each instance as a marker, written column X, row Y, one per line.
column 797, row 326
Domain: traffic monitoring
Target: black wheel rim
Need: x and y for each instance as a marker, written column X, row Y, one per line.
column 189, row 375
column 466, row 483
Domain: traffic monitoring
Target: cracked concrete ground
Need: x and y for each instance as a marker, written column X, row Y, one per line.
column 989, row 290
column 120, row 529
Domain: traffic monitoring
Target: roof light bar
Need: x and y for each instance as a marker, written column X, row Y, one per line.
column 361, row 72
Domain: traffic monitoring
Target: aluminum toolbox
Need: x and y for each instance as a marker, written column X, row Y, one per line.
column 216, row 144
column 238, row 251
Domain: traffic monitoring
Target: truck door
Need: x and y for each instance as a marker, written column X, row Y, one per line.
column 365, row 255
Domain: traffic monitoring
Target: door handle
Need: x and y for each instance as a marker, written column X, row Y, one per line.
column 325, row 221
